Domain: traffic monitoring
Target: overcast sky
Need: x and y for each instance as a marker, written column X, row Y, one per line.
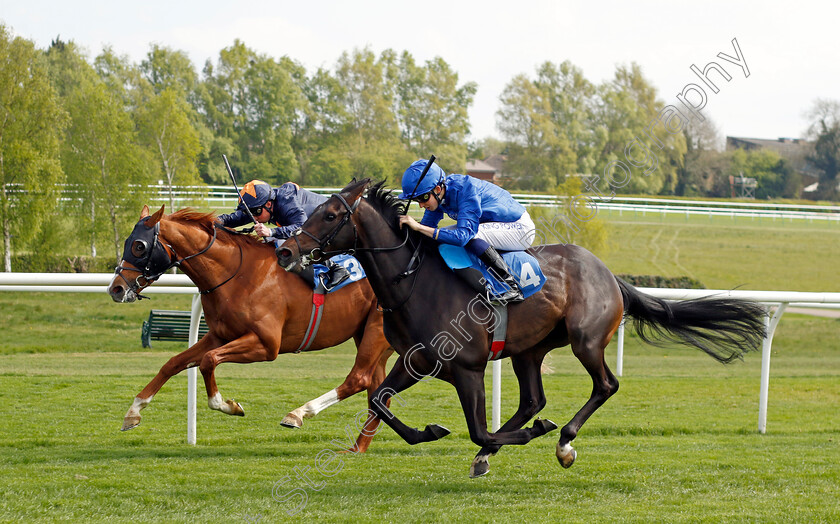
column 790, row 47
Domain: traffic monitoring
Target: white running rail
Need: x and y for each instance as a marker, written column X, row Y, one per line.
column 180, row 284
column 778, row 299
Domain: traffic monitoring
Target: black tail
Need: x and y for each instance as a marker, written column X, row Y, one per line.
column 725, row 328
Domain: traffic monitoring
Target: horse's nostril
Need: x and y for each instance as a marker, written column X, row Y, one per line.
column 116, row 290
column 284, row 252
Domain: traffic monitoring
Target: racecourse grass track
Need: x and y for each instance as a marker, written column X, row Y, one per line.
column 726, row 252
column 677, row 443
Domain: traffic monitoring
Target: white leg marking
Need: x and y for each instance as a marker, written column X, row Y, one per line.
column 137, row 405
column 217, row 402
column 313, row 407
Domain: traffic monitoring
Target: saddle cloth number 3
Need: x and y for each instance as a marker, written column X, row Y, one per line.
column 354, row 268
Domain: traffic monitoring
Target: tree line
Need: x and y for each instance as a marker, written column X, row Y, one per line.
column 105, row 127
column 557, row 122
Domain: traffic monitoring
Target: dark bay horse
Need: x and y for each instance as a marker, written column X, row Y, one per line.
column 254, row 310
column 440, row 326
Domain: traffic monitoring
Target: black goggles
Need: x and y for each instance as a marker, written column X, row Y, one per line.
column 423, row 198
column 256, row 211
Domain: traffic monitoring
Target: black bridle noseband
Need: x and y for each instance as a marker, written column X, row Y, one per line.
column 152, row 258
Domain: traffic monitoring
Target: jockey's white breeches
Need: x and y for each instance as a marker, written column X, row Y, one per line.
column 509, row 236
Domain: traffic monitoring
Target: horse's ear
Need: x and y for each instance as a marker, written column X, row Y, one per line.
column 349, row 188
column 355, row 189
column 154, row 219
column 144, row 213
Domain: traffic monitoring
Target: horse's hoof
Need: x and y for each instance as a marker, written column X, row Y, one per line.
column 543, row 426
column 291, row 421
column 438, row 432
column 130, row 423
column 235, row 408
column 566, row 455
column 479, row 467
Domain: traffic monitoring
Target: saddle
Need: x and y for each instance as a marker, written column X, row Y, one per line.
column 523, row 267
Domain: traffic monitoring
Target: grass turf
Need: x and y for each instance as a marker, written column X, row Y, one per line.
column 677, row 443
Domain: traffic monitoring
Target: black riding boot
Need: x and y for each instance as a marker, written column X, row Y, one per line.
column 336, row 274
column 496, row 265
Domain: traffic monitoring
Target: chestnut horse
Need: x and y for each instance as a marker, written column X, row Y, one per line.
column 253, row 308
column 440, row 326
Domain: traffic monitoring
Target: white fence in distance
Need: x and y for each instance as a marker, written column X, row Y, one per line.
column 180, row 284
column 225, row 198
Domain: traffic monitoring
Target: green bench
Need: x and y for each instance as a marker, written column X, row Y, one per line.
column 168, row 325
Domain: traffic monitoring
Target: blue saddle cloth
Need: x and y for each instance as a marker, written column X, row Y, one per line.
column 523, row 267
column 348, row 261
column 350, row 264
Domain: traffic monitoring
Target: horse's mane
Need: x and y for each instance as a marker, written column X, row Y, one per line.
column 386, row 203
column 189, row 214
column 206, row 221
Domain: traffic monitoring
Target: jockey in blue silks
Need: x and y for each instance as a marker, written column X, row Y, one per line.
column 488, row 217
column 287, row 207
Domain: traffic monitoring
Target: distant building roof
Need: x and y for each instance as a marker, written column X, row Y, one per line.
column 480, row 170
column 497, row 161
column 784, row 146
column 479, row 166
column 796, row 150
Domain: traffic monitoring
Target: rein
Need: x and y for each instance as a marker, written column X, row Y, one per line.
column 414, row 262
column 327, row 239
column 217, row 286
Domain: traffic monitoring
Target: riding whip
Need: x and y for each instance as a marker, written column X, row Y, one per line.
column 232, row 179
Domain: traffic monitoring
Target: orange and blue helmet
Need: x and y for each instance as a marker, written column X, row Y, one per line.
column 255, row 193
column 412, row 184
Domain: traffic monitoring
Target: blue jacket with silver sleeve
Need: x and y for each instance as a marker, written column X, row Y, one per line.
column 292, row 206
column 470, row 202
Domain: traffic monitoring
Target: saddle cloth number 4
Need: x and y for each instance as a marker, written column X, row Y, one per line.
column 527, row 276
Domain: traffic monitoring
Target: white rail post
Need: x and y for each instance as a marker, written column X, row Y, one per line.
column 192, row 373
column 619, row 353
column 770, row 324
column 495, row 421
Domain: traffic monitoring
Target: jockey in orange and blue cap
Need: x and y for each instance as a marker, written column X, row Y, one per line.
column 487, row 216
column 287, row 207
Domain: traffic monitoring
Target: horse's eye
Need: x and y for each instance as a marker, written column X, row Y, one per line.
column 139, row 247
column 329, row 217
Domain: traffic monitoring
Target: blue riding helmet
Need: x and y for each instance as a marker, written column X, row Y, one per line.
column 255, row 193
column 409, row 179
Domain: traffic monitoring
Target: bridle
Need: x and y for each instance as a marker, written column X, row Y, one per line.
column 329, row 237
column 153, row 262
column 414, row 262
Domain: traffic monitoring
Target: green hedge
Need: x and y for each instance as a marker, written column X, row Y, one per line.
column 660, row 281
column 34, row 263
